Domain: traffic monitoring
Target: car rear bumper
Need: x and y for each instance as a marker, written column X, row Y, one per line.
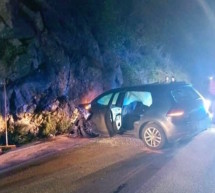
column 186, row 129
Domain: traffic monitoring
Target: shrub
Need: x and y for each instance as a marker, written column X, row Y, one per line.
column 20, row 135
column 63, row 126
column 48, row 126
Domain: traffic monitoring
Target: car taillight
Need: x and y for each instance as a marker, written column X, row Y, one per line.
column 175, row 113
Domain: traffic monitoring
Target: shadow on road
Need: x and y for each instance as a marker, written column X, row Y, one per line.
column 128, row 175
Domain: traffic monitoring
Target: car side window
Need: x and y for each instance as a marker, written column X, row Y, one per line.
column 138, row 96
column 136, row 102
column 104, row 100
column 115, row 98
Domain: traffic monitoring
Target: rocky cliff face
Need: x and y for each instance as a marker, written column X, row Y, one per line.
column 48, row 52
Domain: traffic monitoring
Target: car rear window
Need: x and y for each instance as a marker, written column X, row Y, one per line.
column 185, row 93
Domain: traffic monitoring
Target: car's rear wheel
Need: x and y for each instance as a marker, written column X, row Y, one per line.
column 153, row 136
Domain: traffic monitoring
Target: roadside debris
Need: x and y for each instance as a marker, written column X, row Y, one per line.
column 82, row 125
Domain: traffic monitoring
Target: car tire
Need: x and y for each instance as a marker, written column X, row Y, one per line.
column 153, row 136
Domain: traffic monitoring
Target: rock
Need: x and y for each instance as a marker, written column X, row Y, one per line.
column 5, row 12
column 54, row 106
column 52, row 62
column 31, row 108
column 61, row 58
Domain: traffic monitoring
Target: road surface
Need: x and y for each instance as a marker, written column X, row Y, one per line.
column 121, row 164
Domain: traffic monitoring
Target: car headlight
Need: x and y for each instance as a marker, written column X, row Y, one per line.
column 207, row 104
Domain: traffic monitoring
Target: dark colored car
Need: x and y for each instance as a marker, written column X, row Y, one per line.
column 156, row 113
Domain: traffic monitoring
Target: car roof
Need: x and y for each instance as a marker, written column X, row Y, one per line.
column 156, row 85
column 150, row 87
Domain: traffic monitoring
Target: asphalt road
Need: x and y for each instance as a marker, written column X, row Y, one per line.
column 121, row 164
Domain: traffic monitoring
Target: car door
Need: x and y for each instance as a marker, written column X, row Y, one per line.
column 106, row 112
column 101, row 114
column 135, row 104
column 116, row 111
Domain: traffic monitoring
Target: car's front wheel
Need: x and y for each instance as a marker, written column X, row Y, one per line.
column 153, row 136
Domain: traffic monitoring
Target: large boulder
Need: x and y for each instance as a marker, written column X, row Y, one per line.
column 48, row 51
column 51, row 52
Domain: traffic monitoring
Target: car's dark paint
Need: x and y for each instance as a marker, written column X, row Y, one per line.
column 194, row 119
column 101, row 117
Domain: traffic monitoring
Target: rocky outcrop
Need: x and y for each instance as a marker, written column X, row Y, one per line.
column 53, row 54
column 47, row 51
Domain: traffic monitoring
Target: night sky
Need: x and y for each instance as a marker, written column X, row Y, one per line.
column 186, row 29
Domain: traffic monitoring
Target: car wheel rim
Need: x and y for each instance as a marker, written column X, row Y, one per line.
column 152, row 137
